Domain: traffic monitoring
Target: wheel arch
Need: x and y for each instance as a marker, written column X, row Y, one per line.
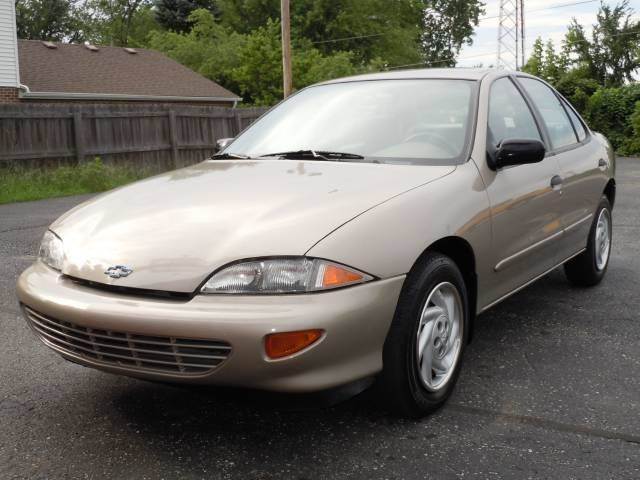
column 461, row 252
column 610, row 191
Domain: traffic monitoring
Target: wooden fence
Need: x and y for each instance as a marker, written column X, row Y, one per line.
column 159, row 137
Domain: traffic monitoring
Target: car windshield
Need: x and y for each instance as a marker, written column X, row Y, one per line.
column 418, row 121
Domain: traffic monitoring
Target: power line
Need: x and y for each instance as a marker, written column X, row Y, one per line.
column 349, row 38
column 552, row 7
column 468, row 57
column 434, row 62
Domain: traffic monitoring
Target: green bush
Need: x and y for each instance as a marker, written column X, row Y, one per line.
column 610, row 111
column 18, row 185
column 634, row 143
column 577, row 87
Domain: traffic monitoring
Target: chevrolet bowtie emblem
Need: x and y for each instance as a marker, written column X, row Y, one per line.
column 118, row 271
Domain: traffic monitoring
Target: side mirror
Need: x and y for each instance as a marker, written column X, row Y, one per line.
column 516, row 152
column 222, row 143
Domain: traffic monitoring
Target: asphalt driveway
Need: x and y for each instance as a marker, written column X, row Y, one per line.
column 550, row 389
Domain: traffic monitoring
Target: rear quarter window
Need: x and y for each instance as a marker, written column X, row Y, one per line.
column 577, row 123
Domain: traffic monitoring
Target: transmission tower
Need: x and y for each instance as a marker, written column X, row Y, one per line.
column 511, row 53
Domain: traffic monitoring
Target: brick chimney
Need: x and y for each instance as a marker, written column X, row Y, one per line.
column 9, row 70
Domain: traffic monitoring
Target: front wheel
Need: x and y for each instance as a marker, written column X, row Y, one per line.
column 588, row 268
column 423, row 350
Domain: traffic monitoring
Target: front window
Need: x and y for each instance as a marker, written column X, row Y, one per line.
column 391, row 121
column 509, row 115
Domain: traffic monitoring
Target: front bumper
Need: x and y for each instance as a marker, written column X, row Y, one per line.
column 355, row 319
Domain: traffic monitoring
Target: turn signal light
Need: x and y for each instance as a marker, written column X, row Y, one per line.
column 278, row 345
column 335, row 276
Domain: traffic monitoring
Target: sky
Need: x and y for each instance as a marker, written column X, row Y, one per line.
column 540, row 21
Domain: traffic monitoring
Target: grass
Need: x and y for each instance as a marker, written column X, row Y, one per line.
column 20, row 185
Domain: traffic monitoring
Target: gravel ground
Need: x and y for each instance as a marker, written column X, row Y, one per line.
column 550, row 389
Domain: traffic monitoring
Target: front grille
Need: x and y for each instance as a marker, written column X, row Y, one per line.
column 135, row 352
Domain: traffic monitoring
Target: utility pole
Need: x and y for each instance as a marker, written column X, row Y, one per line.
column 286, row 47
column 522, row 36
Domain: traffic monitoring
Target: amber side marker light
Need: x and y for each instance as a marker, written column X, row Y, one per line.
column 279, row 345
column 335, row 276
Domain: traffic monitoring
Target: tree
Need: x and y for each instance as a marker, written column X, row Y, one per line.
column 577, row 87
column 111, row 22
column 259, row 73
column 545, row 63
column 250, row 64
column 535, row 62
column 391, row 32
column 447, row 25
column 236, row 42
column 174, row 14
column 208, row 48
column 389, row 29
column 115, row 20
column 551, row 67
column 143, row 22
column 50, row 20
column 612, row 55
column 385, row 31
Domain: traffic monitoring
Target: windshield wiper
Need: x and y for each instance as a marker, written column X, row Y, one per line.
column 227, row 156
column 315, row 154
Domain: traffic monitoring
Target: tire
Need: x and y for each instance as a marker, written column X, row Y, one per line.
column 588, row 268
column 403, row 387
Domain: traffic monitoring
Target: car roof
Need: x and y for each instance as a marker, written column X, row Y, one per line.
column 423, row 73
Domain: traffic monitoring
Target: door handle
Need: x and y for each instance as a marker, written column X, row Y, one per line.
column 556, row 182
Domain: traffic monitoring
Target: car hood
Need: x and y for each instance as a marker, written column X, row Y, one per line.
column 174, row 229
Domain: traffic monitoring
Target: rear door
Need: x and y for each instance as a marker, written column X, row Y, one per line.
column 578, row 156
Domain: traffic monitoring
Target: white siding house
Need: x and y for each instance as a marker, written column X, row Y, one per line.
column 9, row 74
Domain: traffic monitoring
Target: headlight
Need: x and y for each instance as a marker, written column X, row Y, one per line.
column 51, row 250
column 283, row 275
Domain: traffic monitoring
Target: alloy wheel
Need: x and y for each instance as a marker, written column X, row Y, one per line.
column 602, row 242
column 439, row 336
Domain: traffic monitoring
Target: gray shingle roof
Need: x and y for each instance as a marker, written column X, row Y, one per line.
column 74, row 69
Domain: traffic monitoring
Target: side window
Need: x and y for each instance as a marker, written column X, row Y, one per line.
column 552, row 111
column 577, row 123
column 509, row 115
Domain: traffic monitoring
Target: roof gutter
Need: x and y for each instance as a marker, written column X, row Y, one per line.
column 26, row 93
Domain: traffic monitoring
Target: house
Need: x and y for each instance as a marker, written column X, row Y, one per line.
column 32, row 71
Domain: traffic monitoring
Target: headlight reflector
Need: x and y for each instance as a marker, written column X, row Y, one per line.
column 51, row 250
column 283, row 275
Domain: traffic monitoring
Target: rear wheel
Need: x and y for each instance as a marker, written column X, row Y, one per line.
column 423, row 350
column 588, row 268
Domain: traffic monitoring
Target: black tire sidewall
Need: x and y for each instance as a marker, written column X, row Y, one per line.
column 582, row 270
column 432, row 270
